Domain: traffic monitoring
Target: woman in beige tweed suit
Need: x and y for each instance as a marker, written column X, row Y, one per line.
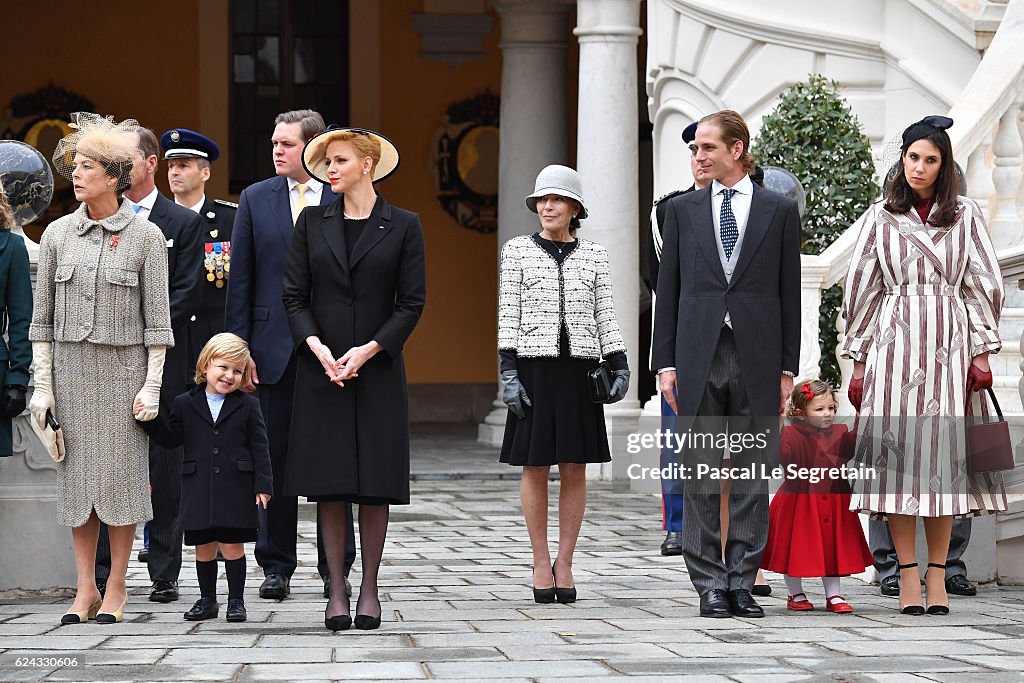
column 101, row 304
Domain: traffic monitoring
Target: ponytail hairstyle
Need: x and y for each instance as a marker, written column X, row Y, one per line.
column 733, row 129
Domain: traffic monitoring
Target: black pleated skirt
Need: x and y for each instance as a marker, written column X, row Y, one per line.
column 563, row 425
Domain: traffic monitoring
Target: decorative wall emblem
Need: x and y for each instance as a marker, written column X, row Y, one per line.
column 40, row 119
column 465, row 162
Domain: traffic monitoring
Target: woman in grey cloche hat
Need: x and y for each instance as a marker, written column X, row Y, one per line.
column 556, row 322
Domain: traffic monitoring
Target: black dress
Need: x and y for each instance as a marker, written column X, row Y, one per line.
column 563, row 425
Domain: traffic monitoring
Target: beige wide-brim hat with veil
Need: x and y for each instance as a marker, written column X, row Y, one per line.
column 560, row 180
column 114, row 145
column 314, row 155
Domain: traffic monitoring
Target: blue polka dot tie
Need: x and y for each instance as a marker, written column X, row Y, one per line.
column 727, row 223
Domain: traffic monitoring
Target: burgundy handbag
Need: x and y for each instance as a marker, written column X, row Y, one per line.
column 989, row 448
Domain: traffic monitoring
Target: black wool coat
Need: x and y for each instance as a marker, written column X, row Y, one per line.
column 353, row 441
column 225, row 463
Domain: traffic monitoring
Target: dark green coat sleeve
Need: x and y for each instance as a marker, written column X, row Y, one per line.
column 19, row 312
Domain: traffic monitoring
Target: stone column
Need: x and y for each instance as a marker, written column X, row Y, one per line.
column 534, row 123
column 606, row 158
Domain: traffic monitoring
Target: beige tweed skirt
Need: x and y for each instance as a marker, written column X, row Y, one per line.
column 106, row 467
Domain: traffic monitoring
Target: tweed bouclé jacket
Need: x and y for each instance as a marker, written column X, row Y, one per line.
column 536, row 294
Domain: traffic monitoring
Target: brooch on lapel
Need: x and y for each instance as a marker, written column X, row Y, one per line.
column 114, row 239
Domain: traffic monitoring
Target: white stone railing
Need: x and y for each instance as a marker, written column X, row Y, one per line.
column 989, row 134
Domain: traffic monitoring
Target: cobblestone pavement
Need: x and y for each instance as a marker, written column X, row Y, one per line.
column 457, row 605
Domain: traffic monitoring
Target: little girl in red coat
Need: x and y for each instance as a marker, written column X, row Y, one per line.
column 811, row 530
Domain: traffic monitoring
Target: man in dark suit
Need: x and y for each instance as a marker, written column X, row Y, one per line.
column 189, row 156
column 726, row 347
column 181, row 228
column 261, row 237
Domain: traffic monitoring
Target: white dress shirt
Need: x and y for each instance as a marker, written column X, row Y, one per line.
column 197, row 208
column 314, row 188
column 146, row 203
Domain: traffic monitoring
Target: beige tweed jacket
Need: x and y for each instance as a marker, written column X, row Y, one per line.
column 95, row 277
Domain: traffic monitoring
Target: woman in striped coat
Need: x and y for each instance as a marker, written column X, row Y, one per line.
column 923, row 299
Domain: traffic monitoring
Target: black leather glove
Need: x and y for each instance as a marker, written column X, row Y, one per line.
column 13, row 402
column 620, row 385
column 513, row 394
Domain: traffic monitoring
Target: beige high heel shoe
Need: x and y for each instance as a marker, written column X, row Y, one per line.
column 81, row 617
column 112, row 617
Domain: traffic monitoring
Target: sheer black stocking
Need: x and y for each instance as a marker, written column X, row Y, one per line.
column 373, row 530
column 334, row 522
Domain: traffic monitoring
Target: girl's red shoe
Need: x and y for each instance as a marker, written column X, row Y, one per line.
column 841, row 607
column 799, row 605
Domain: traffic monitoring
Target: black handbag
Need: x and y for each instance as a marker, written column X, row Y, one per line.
column 989, row 448
column 599, row 383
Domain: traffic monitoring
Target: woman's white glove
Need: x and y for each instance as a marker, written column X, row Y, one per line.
column 42, row 376
column 149, row 395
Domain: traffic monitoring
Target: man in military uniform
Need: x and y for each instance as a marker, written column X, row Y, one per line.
column 189, row 156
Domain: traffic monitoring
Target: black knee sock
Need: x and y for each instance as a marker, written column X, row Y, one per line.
column 236, row 578
column 207, row 574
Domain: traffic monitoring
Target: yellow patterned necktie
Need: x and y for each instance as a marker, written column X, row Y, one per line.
column 300, row 203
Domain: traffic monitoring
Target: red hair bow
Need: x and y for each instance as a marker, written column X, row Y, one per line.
column 807, row 391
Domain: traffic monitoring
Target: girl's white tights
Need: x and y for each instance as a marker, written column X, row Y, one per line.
column 795, row 585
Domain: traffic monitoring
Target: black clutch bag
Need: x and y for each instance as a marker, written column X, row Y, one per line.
column 599, row 383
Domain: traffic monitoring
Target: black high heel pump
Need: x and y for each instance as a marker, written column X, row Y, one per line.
column 563, row 595
column 545, row 596
column 916, row 610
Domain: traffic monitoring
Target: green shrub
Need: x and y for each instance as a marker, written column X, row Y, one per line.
column 813, row 134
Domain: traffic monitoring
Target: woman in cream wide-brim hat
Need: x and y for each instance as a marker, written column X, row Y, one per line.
column 354, row 289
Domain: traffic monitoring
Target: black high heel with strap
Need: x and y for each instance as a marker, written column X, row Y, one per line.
column 916, row 610
column 937, row 609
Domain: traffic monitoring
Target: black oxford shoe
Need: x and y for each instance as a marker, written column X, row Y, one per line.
column 205, row 608
column 673, row 543
column 960, row 585
column 890, row 586
column 742, row 604
column 164, row 591
column 715, row 604
column 236, row 610
column 275, row 587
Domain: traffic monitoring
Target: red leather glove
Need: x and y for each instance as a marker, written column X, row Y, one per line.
column 978, row 379
column 855, row 392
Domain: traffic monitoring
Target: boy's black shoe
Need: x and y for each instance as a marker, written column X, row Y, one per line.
column 205, row 608
column 236, row 610
column 890, row 586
